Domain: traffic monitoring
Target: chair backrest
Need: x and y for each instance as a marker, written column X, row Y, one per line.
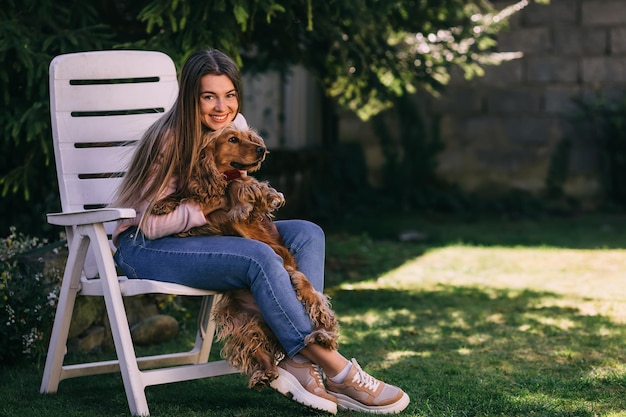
column 101, row 103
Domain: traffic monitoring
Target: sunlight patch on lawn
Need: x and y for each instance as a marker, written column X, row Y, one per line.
column 585, row 273
column 546, row 404
column 454, row 263
column 612, row 372
column 479, row 339
column 464, row 351
column 394, row 357
column 616, row 309
column 559, row 323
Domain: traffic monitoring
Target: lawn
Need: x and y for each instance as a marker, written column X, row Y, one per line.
column 487, row 317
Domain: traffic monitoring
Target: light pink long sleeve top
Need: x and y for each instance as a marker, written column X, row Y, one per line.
column 183, row 218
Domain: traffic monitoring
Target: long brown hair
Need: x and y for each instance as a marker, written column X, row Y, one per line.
column 170, row 145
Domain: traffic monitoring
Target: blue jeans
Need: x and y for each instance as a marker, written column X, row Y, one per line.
column 224, row 262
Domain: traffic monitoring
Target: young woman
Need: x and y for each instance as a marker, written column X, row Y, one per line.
column 209, row 98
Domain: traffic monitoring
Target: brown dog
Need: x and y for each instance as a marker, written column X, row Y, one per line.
column 249, row 343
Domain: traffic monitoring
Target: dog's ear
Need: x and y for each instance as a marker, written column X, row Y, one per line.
column 212, row 182
column 217, row 182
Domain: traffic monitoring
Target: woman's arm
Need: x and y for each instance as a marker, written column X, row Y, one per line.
column 186, row 216
column 183, row 218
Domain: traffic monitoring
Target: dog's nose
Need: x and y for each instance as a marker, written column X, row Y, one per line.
column 260, row 150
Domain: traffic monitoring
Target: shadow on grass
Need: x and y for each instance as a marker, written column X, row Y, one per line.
column 465, row 351
column 584, row 231
column 457, row 351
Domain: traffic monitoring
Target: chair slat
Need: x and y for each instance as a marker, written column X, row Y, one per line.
column 102, row 129
column 93, row 161
column 89, row 192
column 149, row 95
column 102, row 65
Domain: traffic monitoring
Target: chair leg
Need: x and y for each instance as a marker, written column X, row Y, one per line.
column 132, row 377
column 93, row 237
column 206, row 328
column 70, row 286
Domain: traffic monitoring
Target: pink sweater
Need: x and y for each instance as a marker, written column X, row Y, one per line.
column 186, row 215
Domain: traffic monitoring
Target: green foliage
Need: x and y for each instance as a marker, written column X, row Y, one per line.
column 410, row 154
column 340, row 190
column 32, row 32
column 27, row 301
column 606, row 120
column 365, row 53
column 558, row 170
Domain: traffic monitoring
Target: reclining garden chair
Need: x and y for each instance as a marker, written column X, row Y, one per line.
column 100, row 103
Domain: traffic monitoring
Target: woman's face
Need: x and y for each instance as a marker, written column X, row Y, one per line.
column 219, row 102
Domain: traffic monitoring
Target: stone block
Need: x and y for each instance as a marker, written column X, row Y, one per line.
column 572, row 40
column 557, row 12
column 553, row 69
column 513, row 100
column 536, row 39
column 617, row 42
column 507, row 73
column 500, row 130
column 604, row 70
column 531, row 129
column 560, row 99
column 457, row 100
column 487, row 128
column 603, row 13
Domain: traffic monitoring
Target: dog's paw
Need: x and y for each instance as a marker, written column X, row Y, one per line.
column 323, row 337
column 276, row 200
column 240, row 212
column 322, row 315
column 261, row 378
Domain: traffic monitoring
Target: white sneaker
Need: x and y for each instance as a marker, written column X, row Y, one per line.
column 362, row 392
column 302, row 382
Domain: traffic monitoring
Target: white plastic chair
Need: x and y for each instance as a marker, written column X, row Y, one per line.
column 100, row 103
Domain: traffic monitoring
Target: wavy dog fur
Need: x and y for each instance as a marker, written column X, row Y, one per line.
column 249, row 206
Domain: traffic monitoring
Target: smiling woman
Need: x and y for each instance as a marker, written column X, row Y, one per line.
column 219, row 101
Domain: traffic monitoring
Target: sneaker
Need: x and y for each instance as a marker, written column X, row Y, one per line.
column 302, row 382
column 362, row 392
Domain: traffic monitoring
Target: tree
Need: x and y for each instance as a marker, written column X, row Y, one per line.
column 365, row 54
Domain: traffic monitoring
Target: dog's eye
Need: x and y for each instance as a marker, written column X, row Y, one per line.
column 233, row 139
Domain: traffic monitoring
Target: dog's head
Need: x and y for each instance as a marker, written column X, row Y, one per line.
column 222, row 153
column 232, row 148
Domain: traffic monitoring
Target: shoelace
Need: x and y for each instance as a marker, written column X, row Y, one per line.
column 362, row 378
column 318, row 374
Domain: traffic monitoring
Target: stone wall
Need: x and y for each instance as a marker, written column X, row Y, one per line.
column 501, row 130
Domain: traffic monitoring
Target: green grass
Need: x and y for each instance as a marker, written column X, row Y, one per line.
column 483, row 318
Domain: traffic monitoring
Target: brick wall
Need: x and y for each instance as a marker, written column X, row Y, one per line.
column 501, row 130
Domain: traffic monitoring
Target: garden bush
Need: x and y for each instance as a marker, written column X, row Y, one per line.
column 28, row 298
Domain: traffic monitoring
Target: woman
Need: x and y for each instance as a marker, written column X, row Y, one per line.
column 209, row 98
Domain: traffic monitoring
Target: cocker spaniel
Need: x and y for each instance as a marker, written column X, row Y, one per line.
column 249, row 344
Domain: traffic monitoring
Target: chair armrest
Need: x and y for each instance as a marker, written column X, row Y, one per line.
column 90, row 216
